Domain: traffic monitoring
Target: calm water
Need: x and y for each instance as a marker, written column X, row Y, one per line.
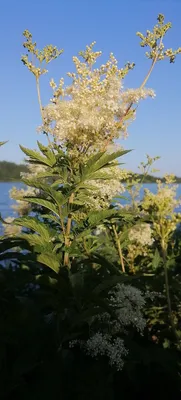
column 153, row 188
column 6, row 202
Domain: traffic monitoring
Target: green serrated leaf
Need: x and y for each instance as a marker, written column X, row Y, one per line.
column 47, row 152
column 37, row 241
column 50, row 260
column 59, row 198
column 98, row 162
column 156, row 259
column 36, row 156
column 35, row 225
column 46, row 280
column 43, row 203
column 51, row 218
column 96, row 217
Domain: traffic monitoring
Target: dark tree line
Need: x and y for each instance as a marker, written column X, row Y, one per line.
column 9, row 171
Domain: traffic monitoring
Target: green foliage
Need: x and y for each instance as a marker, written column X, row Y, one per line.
column 35, row 156
column 64, row 199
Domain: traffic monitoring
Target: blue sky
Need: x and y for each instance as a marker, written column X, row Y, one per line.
column 71, row 24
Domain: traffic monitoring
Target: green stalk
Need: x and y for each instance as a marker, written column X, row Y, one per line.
column 67, row 233
column 119, row 248
column 170, row 313
column 40, row 105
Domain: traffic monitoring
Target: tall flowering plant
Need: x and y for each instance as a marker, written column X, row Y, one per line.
column 162, row 208
column 82, row 123
column 72, row 182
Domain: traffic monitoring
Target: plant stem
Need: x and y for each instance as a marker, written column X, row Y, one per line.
column 62, row 221
column 39, row 97
column 68, row 230
column 40, row 105
column 164, row 256
column 119, row 248
column 149, row 72
column 141, row 87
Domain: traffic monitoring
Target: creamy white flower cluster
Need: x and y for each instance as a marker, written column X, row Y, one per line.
column 33, row 170
column 101, row 344
column 164, row 200
column 152, row 295
column 141, row 234
column 162, row 208
column 135, row 95
column 101, row 229
column 22, row 207
column 127, row 303
column 91, row 110
column 106, row 190
column 10, row 229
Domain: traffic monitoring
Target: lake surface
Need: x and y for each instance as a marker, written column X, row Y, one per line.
column 6, row 202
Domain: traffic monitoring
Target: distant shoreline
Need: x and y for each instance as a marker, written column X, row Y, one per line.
column 152, row 179
column 13, row 171
column 10, row 180
column 177, row 181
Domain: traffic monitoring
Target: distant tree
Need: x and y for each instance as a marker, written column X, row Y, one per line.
column 10, row 171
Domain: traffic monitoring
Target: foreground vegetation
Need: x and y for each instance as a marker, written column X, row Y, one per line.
column 90, row 291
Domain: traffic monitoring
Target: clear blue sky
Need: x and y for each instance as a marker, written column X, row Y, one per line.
column 71, row 24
